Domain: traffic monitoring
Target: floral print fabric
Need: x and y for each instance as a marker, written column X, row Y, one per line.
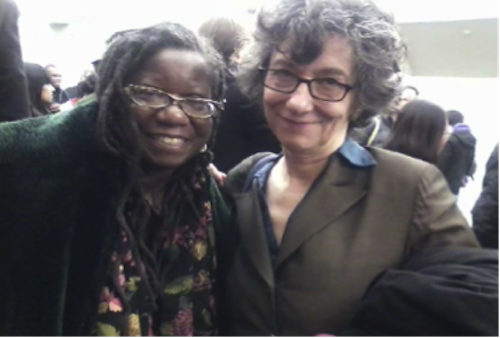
column 187, row 305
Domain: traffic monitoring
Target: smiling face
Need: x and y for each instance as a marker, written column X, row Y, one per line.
column 301, row 123
column 169, row 136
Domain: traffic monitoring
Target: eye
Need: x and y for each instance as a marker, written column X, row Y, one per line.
column 148, row 97
column 144, row 94
column 329, row 83
column 283, row 74
column 197, row 105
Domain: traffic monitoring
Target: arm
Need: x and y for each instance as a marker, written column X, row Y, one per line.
column 485, row 212
column 445, row 161
column 437, row 221
column 14, row 101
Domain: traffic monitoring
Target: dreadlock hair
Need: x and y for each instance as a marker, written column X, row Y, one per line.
column 118, row 132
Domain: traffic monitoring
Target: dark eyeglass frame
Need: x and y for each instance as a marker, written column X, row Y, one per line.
column 347, row 88
column 173, row 99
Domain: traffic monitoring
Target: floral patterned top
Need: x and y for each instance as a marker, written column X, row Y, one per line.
column 187, row 305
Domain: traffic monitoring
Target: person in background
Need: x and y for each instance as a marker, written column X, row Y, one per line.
column 243, row 130
column 73, row 92
column 408, row 94
column 378, row 129
column 320, row 221
column 457, row 159
column 40, row 89
column 109, row 216
column 86, row 87
column 485, row 211
column 14, row 95
column 419, row 131
column 60, row 96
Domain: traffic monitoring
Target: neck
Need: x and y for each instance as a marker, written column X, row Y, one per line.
column 306, row 167
column 153, row 185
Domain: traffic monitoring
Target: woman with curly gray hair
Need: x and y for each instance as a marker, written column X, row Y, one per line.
column 321, row 220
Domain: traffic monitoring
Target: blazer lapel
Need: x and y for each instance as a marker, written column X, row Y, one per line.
column 253, row 237
column 337, row 189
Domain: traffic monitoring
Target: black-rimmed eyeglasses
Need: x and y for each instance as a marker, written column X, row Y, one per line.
column 324, row 89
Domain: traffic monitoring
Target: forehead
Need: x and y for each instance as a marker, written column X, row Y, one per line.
column 53, row 71
column 175, row 71
column 337, row 58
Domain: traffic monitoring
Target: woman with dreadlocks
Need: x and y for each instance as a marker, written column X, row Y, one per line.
column 108, row 215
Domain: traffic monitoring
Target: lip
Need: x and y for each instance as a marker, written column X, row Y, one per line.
column 168, row 135
column 179, row 145
column 296, row 126
column 298, row 123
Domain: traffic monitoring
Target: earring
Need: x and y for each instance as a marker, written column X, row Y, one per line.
column 204, row 149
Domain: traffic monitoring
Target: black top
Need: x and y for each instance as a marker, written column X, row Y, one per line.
column 485, row 212
column 14, row 101
column 375, row 133
column 60, row 96
column 243, row 130
column 457, row 158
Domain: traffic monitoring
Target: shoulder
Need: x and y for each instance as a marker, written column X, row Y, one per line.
column 397, row 164
column 237, row 176
column 398, row 172
column 50, row 136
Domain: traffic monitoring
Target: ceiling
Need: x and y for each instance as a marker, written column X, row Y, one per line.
column 465, row 48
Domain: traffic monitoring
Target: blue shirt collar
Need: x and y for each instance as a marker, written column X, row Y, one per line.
column 351, row 151
column 356, row 154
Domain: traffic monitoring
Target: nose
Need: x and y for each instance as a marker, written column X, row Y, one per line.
column 173, row 115
column 300, row 100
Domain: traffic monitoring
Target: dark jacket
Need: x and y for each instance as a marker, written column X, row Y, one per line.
column 353, row 223
column 72, row 92
column 60, row 96
column 14, row 97
column 375, row 133
column 55, row 246
column 485, row 211
column 242, row 131
column 439, row 293
column 456, row 161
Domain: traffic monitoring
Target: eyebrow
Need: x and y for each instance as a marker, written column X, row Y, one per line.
column 284, row 63
column 333, row 71
column 328, row 71
column 196, row 92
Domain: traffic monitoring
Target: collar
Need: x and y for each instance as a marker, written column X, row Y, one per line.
column 356, row 154
column 351, row 151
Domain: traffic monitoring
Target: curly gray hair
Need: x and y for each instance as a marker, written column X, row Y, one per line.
column 377, row 46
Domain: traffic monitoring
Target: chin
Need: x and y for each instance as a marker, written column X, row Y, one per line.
column 293, row 142
column 296, row 147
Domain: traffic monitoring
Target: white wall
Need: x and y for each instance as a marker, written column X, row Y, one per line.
column 72, row 47
column 91, row 22
column 478, row 100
